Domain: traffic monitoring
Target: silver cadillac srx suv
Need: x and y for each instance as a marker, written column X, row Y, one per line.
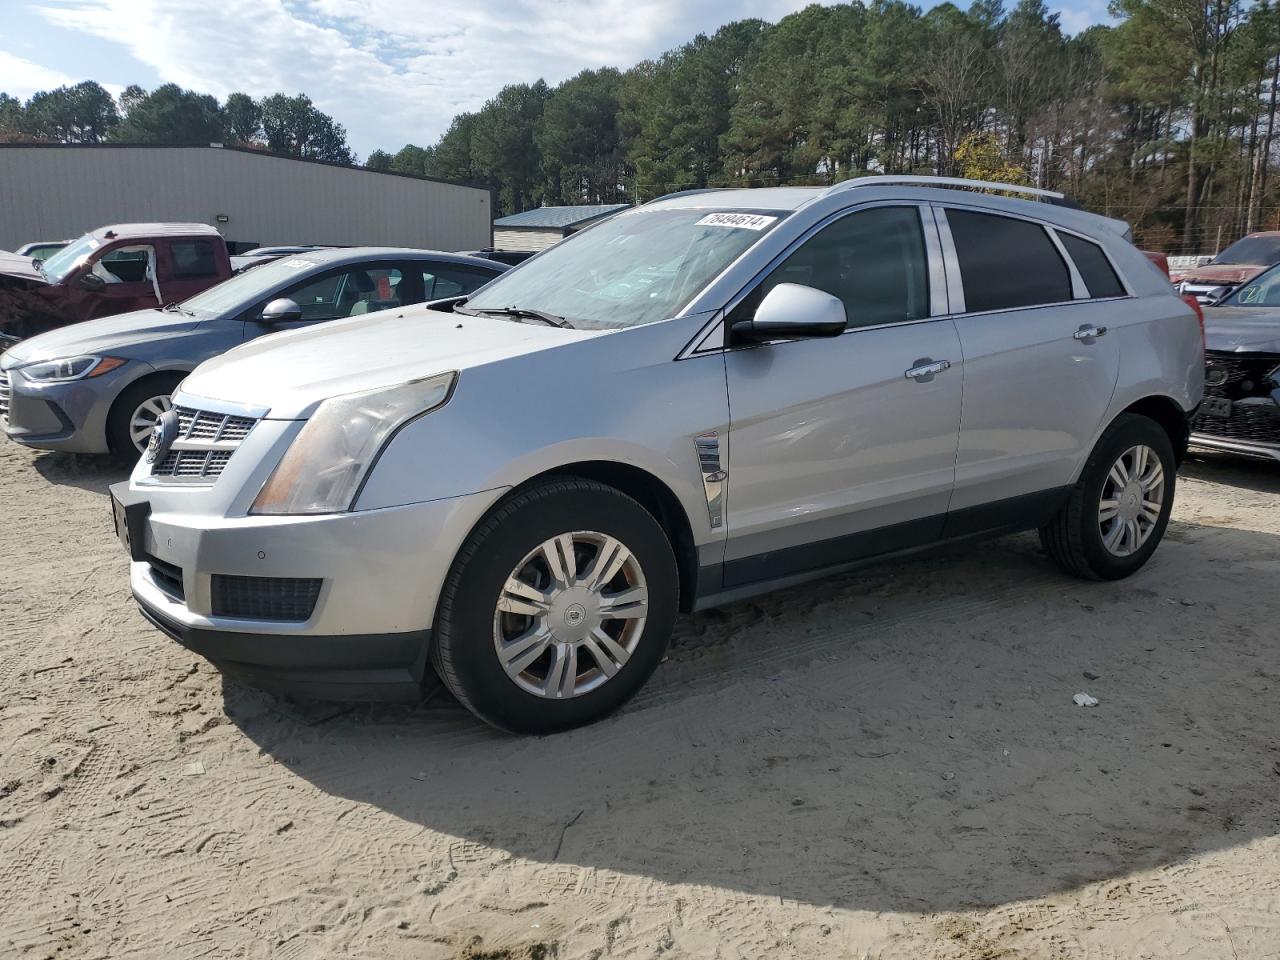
column 708, row 396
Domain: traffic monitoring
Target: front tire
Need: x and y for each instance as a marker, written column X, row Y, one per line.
column 557, row 609
column 134, row 412
column 1118, row 510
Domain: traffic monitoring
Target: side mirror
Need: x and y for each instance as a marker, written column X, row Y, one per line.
column 791, row 311
column 282, row 310
column 92, row 283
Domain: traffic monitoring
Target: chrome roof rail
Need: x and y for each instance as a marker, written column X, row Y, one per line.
column 878, row 180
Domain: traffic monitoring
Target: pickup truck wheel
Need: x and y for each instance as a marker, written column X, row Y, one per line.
column 557, row 609
column 1119, row 509
column 135, row 411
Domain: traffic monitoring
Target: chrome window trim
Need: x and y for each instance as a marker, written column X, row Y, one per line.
column 951, row 261
column 1078, row 289
column 699, row 344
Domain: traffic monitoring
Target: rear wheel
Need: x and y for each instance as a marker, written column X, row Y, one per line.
column 135, row 412
column 558, row 608
column 1119, row 509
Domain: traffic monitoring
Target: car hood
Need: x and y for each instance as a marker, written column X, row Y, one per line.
column 291, row 373
column 105, row 335
column 1224, row 273
column 1242, row 329
column 15, row 266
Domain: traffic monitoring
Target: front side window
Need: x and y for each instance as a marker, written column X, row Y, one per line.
column 1006, row 263
column 124, row 265
column 1095, row 269
column 875, row 261
column 347, row 293
column 637, row 267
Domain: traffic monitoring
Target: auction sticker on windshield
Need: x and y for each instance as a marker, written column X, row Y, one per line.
column 743, row 221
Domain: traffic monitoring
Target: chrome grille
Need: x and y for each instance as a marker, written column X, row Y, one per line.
column 4, row 398
column 204, row 445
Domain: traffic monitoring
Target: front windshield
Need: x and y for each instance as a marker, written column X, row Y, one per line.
column 1262, row 291
column 1251, row 250
column 246, row 288
column 68, row 258
column 637, row 267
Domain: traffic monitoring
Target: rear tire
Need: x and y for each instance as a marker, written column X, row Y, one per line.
column 131, row 405
column 526, row 638
column 1118, row 510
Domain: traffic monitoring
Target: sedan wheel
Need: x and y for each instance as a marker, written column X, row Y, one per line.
column 570, row 615
column 143, row 420
column 1132, row 500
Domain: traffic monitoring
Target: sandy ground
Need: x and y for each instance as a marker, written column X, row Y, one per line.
column 886, row 764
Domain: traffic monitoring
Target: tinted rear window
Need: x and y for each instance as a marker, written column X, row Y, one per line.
column 1095, row 269
column 193, row 258
column 1006, row 263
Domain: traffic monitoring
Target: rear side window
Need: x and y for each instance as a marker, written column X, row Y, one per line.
column 446, row 280
column 1095, row 269
column 193, row 258
column 1006, row 263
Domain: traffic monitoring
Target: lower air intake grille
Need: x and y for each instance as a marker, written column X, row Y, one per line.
column 168, row 578
column 4, row 398
column 264, row 598
column 1248, row 423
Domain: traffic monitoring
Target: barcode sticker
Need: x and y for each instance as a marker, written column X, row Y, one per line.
column 742, row 221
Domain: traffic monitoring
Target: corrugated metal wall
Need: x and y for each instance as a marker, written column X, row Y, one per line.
column 525, row 239
column 52, row 193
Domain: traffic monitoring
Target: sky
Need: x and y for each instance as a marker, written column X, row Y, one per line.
column 391, row 71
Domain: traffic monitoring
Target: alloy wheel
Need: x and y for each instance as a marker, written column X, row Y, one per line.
column 1131, row 501
column 570, row 615
column 143, row 420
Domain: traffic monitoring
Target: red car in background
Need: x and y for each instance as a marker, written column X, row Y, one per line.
column 1239, row 263
column 111, row 270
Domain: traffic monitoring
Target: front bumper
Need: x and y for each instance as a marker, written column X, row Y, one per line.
column 1253, row 429
column 69, row 416
column 368, row 634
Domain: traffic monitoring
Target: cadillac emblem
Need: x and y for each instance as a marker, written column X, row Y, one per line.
column 162, row 436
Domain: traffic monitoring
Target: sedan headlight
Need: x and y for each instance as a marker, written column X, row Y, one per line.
column 323, row 468
column 70, row 368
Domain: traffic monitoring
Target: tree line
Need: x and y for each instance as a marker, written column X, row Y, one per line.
column 87, row 113
column 1166, row 119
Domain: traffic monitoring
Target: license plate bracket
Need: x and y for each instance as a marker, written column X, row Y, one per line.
column 1219, row 407
column 129, row 513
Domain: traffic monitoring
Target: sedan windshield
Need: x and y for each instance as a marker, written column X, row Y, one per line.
column 638, row 267
column 1262, row 291
column 68, row 258
column 1265, row 250
column 246, row 288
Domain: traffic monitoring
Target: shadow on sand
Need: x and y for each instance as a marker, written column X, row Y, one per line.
column 896, row 739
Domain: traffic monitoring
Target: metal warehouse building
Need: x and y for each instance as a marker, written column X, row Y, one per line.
column 539, row 228
column 57, row 192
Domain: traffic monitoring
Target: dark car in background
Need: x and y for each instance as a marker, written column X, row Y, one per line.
column 110, row 270
column 1241, row 408
column 100, row 386
column 256, row 257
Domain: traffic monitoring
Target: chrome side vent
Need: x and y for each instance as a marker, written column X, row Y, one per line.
column 713, row 477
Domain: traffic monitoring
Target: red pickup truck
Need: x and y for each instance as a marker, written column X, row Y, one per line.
column 111, row 270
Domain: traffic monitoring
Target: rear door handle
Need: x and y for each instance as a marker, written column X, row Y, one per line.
column 1090, row 332
column 925, row 369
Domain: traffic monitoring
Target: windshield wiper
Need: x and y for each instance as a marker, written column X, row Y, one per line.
column 175, row 308
column 520, row 313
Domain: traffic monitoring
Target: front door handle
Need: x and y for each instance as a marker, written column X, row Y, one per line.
column 924, row 369
column 1090, row 332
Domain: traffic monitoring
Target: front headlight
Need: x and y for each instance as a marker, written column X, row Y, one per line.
column 70, row 368
column 324, row 466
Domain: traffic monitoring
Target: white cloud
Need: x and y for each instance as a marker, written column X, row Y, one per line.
column 392, row 71
column 21, row 78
